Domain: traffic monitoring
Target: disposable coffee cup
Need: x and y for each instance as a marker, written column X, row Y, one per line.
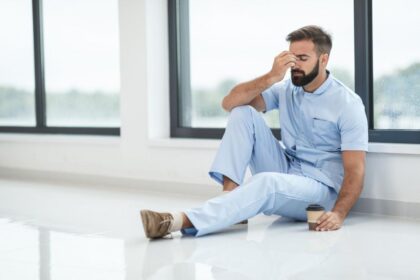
column 313, row 212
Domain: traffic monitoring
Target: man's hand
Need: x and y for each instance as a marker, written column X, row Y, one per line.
column 281, row 63
column 329, row 221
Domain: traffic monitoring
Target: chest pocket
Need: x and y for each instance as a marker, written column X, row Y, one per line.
column 326, row 135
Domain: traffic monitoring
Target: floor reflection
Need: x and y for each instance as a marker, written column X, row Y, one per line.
column 233, row 256
column 30, row 252
column 19, row 251
column 185, row 270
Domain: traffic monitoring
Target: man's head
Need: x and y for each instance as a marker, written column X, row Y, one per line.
column 311, row 45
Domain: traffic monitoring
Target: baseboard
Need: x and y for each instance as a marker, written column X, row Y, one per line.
column 111, row 182
column 363, row 205
column 388, row 208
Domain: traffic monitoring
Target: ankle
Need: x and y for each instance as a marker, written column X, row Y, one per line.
column 228, row 184
column 177, row 221
column 186, row 223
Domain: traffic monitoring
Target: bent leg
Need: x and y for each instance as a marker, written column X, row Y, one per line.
column 247, row 141
column 269, row 193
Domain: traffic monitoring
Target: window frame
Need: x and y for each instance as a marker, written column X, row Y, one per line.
column 178, row 25
column 40, row 97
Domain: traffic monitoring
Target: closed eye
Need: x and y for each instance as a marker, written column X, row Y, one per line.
column 302, row 57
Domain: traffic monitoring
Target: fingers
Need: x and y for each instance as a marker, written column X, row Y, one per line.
column 327, row 221
column 330, row 226
column 290, row 64
column 286, row 56
column 323, row 217
column 286, row 61
column 323, row 221
column 281, row 63
column 327, row 226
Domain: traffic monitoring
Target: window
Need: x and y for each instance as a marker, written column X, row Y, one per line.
column 73, row 47
column 375, row 35
column 237, row 43
column 396, row 65
column 215, row 44
column 17, row 80
column 81, row 62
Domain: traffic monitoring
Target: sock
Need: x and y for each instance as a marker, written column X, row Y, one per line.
column 177, row 224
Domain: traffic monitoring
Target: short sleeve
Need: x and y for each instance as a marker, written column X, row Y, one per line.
column 353, row 127
column 271, row 97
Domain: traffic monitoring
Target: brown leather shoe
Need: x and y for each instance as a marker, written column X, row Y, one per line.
column 155, row 224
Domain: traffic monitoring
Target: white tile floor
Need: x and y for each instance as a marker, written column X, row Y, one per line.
column 53, row 231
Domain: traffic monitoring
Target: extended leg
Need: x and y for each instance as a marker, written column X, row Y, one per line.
column 269, row 193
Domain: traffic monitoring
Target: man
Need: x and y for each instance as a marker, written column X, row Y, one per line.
column 321, row 159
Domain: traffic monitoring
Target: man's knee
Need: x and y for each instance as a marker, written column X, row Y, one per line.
column 242, row 113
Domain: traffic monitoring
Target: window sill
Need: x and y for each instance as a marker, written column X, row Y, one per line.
column 190, row 143
column 181, row 143
column 66, row 139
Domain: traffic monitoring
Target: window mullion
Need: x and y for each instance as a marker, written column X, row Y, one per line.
column 40, row 101
column 363, row 55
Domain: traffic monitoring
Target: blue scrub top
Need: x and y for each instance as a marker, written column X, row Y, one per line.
column 316, row 127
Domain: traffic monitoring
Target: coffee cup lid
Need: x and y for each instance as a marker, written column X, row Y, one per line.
column 314, row 207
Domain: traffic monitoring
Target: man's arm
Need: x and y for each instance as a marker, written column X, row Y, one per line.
column 249, row 93
column 354, row 172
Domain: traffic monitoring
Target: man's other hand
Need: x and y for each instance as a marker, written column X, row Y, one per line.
column 329, row 221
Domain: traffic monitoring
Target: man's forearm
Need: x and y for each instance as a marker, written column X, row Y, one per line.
column 349, row 194
column 244, row 93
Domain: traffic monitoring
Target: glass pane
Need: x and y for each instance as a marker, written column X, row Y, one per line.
column 17, row 78
column 396, row 64
column 82, row 62
column 235, row 41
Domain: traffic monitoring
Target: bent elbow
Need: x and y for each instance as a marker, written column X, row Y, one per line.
column 225, row 104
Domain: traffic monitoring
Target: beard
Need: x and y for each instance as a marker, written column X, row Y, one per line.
column 302, row 79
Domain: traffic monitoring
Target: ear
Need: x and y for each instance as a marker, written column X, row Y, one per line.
column 324, row 59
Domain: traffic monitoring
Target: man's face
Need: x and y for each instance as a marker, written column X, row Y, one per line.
column 307, row 64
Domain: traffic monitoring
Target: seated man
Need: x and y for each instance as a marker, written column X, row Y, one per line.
column 321, row 159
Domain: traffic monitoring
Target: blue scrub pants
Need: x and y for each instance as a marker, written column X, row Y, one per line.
column 276, row 187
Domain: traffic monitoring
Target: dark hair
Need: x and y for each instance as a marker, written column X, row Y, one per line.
column 316, row 34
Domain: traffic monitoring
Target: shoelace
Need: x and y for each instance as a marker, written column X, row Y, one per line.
column 171, row 221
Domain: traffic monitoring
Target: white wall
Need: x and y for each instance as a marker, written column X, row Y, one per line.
column 144, row 150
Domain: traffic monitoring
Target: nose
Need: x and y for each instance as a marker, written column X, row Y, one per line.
column 297, row 63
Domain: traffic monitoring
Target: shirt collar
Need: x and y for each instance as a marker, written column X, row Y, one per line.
column 324, row 86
